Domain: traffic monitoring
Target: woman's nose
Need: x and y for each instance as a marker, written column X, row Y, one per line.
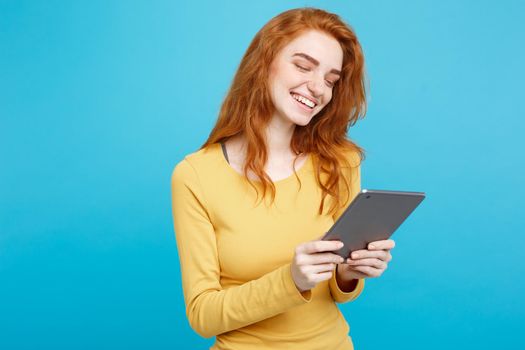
column 315, row 87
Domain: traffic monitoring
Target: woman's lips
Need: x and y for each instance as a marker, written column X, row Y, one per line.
column 301, row 105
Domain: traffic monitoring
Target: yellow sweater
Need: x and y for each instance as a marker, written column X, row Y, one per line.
column 235, row 257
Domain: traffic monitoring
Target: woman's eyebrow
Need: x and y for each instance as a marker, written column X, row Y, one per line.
column 314, row 61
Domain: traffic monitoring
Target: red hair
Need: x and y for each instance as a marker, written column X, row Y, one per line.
column 248, row 108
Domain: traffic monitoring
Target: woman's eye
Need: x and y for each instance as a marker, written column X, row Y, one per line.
column 302, row 68
column 329, row 83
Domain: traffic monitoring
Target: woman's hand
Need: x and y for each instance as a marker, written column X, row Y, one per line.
column 312, row 263
column 365, row 263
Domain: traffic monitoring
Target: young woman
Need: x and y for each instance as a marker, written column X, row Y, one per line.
column 255, row 273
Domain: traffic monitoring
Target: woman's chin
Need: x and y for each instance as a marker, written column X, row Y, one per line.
column 302, row 120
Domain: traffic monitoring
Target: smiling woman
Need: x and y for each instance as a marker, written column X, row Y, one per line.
column 309, row 80
column 259, row 274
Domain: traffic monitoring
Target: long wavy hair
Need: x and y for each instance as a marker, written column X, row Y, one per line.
column 247, row 108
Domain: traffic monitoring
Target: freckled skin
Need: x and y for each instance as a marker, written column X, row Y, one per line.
column 286, row 76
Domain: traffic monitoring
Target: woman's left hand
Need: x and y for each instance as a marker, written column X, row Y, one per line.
column 365, row 263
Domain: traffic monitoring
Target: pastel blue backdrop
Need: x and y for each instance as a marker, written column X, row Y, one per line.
column 100, row 99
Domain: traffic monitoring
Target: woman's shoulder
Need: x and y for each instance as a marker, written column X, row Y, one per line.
column 202, row 160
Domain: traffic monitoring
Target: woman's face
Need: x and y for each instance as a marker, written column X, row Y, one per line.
column 305, row 69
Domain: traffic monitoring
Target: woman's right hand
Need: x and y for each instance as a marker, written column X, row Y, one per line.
column 313, row 263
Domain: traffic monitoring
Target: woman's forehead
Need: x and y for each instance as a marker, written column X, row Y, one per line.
column 320, row 46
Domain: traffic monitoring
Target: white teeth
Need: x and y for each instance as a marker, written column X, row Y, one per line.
column 304, row 100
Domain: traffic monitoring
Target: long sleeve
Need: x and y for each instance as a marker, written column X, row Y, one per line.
column 210, row 309
column 337, row 294
column 343, row 297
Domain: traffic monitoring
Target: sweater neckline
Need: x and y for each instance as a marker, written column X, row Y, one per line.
column 306, row 164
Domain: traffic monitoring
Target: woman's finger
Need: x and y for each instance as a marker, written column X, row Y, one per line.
column 320, row 268
column 323, row 276
column 319, row 258
column 379, row 254
column 357, row 274
column 379, row 264
column 368, row 270
column 386, row 244
column 313, row 247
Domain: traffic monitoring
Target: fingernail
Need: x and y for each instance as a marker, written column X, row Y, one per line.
column 355, row 255
column 340, row 244
column 371, row 246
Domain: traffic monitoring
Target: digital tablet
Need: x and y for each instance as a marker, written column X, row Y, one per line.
column 373, row 215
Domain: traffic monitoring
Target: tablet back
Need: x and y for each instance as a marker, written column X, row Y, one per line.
column 373, row 215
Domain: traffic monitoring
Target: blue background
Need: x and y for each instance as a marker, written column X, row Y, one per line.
column 100, row 99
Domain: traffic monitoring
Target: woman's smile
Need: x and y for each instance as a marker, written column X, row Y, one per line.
column 301, row 105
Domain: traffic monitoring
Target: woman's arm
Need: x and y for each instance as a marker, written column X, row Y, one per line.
column 343, row 291
column 210, row 309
